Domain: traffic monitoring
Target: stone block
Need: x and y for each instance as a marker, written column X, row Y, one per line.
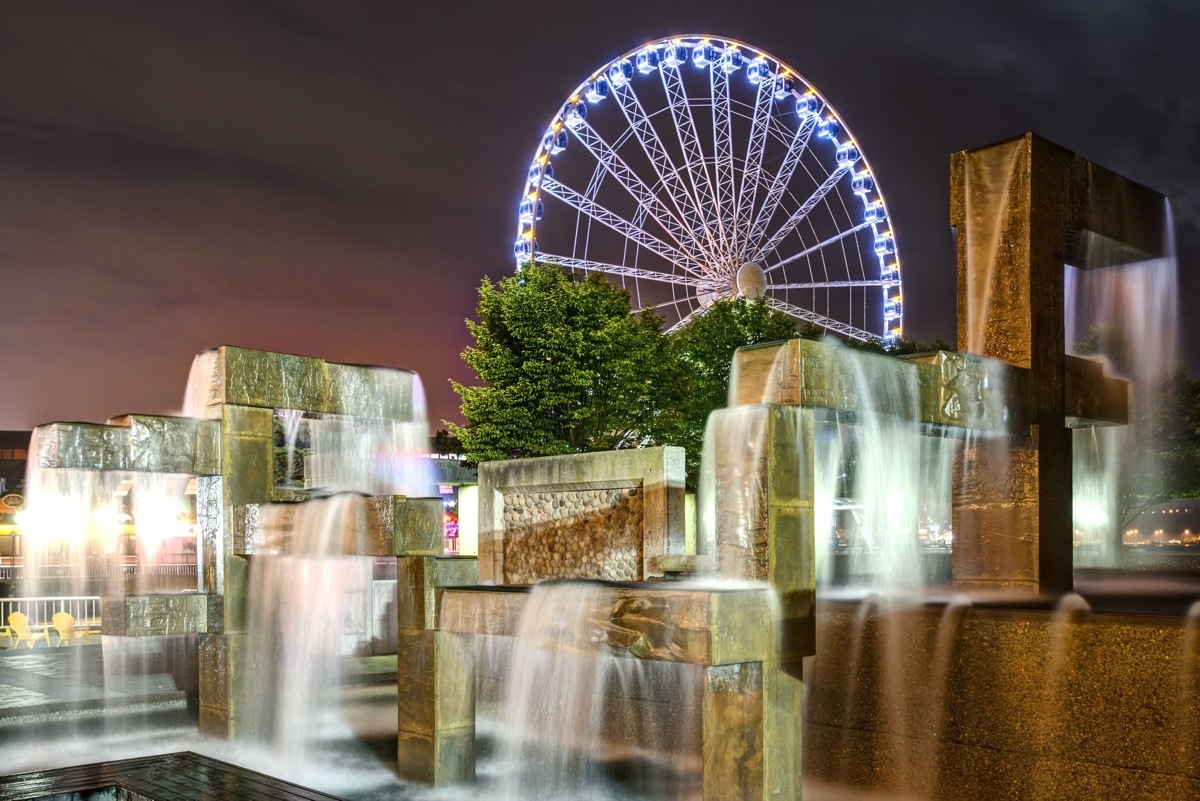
column 436, row 731
column 417, row 581
column 732, row 749
column 268, row 528
column 969, row 391
column 247, row 454
column 271, row 380
column 83, row 446
column 212, row 539
column 418, row 529
column 702, row 627
column 1092, row 398
column 215, row 701
column 383, row 393
column 816, row 374
column 492, row 611
column 923, row 703
column 162, row 444
column 533, row 498
column 156, row 615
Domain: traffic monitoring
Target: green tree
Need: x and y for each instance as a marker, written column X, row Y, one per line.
column 705, row 347
column 565, row 368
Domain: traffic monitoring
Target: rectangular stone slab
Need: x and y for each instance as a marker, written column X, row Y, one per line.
column 160, row 615
column 87, row 446
column 694, row 626
column 386, row 525
column 164, row 444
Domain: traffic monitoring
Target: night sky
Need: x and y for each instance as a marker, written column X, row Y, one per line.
column 334, row 179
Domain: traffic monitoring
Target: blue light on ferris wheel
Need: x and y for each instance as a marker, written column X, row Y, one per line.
column 576, row 115
column 535, row 171
column 807, row 105
column 874, row 213
column 674, row 55
column 829, row 128
column 620, row 73
column 847, row 154
column 784, row 87
column 556, row 142
column 759, row 70
column 597, row 91
column 891, row 309
column 884, row 244
column 522, row 247
column 704, row 54
column 647, row 61
column 529, row 210
column 731, row 62
column 862, row 183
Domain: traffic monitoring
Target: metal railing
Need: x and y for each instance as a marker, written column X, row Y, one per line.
column 103, row 570
column 84, row 608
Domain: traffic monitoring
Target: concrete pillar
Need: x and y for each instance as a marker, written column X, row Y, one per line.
column 435, row 675
column 1023, row 209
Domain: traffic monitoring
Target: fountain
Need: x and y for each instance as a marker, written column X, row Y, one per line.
column 595, row 643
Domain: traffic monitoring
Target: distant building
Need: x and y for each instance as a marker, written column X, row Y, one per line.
column 14, row 450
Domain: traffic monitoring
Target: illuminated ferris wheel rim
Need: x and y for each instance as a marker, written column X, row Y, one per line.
column 705, row 243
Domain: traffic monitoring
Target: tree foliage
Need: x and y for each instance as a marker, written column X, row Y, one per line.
column 566, row 368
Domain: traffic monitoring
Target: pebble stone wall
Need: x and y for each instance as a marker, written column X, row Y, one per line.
column 593, row 533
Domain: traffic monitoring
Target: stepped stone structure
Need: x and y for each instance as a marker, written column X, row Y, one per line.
column 230, row 451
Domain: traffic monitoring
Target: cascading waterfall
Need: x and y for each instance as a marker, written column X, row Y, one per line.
column 71, row 518
column 200, row 393
column 310, row 599
column 881, row 479
column 1127, row 315
column 562, row 736
column 308, row 602
column 987, row 191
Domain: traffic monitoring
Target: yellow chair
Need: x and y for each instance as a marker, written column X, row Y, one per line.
column 7, row 633
column 64, row 622
column 19, row 622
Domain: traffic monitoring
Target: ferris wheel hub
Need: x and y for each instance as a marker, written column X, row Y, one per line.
column 751, row 280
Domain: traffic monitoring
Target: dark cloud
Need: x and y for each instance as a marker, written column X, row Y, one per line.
column 335, row 179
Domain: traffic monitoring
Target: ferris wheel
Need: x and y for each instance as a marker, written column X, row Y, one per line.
column 697, row 167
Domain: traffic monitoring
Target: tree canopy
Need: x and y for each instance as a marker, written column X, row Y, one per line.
column 566, row 368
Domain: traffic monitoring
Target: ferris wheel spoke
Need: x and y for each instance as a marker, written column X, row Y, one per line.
column 800, row 213
column 622, row 226
column 723, row 151
column 668, row 303
column 693, row 153
column 752, row 171
column 829, row 323
column 615, row 166
column 780, row 181
column 870, row 282
column 621, row 270
column 664, row 167
column 809, row 251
